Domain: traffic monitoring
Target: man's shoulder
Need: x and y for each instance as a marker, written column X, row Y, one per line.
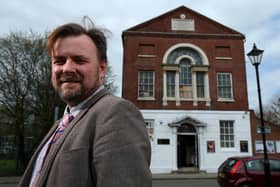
column 111, row 101
column 116, row 100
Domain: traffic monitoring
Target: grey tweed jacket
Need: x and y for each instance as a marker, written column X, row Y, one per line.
column 105, row 145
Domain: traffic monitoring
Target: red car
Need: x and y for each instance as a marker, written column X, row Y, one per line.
column 248, row 172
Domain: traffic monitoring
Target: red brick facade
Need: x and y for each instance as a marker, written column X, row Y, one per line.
column 223, row 47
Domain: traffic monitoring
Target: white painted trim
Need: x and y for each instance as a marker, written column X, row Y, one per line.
column 223, row 58
column 195, row 47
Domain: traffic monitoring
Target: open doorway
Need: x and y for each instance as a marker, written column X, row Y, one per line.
column 187, row 155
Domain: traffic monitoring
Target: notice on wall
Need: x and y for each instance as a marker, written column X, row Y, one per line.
column 244, row 146
column 211, row 147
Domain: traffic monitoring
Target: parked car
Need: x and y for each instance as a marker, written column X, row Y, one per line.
column 247, row 172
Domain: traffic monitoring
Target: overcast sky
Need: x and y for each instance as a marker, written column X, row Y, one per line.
column 258, row 20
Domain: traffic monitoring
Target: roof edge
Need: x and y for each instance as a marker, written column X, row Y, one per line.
column 175, row 9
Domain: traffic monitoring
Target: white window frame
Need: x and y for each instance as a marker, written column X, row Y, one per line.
column 227, row 134
column 153, row 85
column 224, row 98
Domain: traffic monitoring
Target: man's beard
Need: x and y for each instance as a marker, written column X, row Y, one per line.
column 74, row 96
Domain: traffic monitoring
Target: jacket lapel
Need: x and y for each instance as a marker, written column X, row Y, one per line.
column 29, row 169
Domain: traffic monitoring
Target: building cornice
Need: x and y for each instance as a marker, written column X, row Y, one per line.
column 182, row 35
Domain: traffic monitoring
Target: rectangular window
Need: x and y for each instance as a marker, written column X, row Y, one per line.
column 270, row 146
column 226, row 134
column 200, row 84
column 170, row 76
column 146, row 84
column 224, row 85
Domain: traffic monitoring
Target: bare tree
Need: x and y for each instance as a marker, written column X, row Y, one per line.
column 272, row 113
column 110, row 80
column 26, row 92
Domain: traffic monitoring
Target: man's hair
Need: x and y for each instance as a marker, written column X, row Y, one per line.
column 73, row 29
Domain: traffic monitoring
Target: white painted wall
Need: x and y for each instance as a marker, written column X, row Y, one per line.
column 164, row 157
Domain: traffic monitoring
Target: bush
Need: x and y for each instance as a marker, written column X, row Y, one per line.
column 8, row 168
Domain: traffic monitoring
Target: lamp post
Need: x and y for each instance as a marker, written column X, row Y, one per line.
column 255, row 56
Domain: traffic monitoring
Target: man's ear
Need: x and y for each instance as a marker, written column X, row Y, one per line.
column 102, row 71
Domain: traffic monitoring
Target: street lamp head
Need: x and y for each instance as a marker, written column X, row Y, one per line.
column 255, row 55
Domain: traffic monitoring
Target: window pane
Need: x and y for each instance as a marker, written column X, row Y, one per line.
column 226, row 134
column 274, row 165
column 146, row 84
column 224, row 85
column 170, row 76
column 200, row 84
column 254, row 165
column 185, row 72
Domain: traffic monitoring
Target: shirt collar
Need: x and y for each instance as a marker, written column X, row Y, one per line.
column 74, row 110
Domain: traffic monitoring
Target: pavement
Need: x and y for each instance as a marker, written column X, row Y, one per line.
column 9, row 180
column 195, row 175
column 162, row 176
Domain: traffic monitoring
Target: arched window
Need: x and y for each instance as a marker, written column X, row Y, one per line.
column 185, row 75
column 184, row 51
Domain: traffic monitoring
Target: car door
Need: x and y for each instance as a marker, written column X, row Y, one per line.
column 255, row 172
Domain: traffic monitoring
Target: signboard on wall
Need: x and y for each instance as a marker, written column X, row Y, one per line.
column 244, row 146
column 211, row 147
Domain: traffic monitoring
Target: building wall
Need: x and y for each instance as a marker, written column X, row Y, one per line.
column 272, row 137
column 164, row 157
column 133, row 63
column 146, row 47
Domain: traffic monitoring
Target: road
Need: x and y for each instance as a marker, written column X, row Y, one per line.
column 185, row 183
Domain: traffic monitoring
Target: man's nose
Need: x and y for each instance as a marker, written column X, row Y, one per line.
column 69, row 66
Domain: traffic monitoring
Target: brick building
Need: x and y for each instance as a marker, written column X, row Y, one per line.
column 272, row 137
column 186, row 72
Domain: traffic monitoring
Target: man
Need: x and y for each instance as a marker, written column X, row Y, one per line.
column 102, row 141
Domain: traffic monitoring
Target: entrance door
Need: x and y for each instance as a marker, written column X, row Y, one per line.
column 187, row 155
column 186, row 151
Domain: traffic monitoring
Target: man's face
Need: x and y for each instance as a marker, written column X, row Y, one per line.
column 76, row 70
